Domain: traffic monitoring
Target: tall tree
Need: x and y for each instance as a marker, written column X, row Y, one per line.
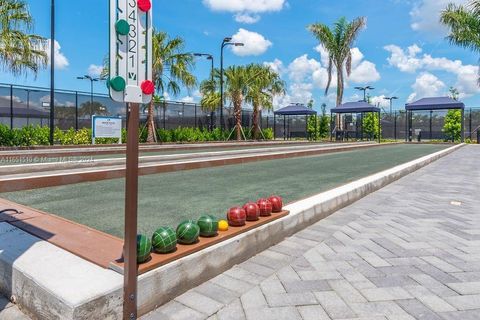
column 265, row 84
column 20, row 51
column 338, row 42
column 237, row 81
column 171, row 70
column 464, row 24
column 209, row 89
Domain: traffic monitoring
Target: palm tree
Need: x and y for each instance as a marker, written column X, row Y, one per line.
column 265, row 84
column 338, row 42
column 464, row 25
column 171, row 70
column 237, row 83
column 20, row 51
column 209, row 90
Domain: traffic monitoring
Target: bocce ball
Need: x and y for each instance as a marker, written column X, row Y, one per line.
column 252, row 210
column 236, row 217
column 277, row 203
column 187, row 232
column 222, row 225
column 144, row 247
column 208, row 226
column 164, row 240
column 265, row 207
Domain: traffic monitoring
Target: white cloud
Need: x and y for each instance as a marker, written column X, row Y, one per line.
column 276, row 65
column 188, row 99
column 248, row 18
column 254, row 43
column 247, row 11
column 426, row 15
column 95, row 70
column 379, row 101
column 410, row 60
column 245, row 5
column 61, row 62
column 427, row 85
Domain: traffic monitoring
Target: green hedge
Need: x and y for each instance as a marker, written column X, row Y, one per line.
column 36, row 135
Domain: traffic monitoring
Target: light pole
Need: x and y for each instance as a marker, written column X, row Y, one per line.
column 226, row 42
column 364, row 89
column 209, row 57
column 92, row 80
column 52, row 70
column 391, row 103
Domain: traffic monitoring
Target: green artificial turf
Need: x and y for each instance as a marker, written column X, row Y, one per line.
column 167, row 199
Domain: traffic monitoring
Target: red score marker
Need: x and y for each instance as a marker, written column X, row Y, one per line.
column 147, row 87
column 144, row 5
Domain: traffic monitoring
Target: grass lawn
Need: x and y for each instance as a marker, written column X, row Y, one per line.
column 167, row 199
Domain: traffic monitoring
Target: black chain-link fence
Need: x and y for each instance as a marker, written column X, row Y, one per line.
column 21, row 106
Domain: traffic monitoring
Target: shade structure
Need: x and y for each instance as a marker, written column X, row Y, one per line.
column 355, row 107
column 295, row 109
column 432, row 104
column 435, row 103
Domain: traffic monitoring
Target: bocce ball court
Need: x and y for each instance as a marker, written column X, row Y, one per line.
column 169, row 198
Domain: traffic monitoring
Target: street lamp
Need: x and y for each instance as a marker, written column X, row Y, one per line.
column 364, row 89
column 52, row 70
column 226, row 42
column 92, row 80
column 209, row 57
column 391, row 102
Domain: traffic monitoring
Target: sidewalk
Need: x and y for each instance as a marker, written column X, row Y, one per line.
column 408, row 251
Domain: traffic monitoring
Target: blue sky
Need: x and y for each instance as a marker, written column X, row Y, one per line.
column 402, row 51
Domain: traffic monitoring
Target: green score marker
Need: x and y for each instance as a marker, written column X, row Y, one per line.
column 122, row 27
column 117, row 83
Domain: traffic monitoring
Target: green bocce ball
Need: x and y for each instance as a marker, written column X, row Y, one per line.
column 164, row 240
column 144, row 247
column 208, row 226
column 187, row 232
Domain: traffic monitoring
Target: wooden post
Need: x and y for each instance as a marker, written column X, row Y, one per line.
column 131, row 201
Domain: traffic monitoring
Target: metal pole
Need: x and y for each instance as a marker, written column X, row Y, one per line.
column 470, row 124
column 28, row 106
column 331, row 126
column 431, row 113
column 395, row 127
column 361, row 125
column 11, row 106
column 52, row 70
column 91, row 98
column 463, row 126
column 76, row 110
column 195, row 106
column 379, row 128
column 221, row 88
column 212, row 114
column 284, row 128
column 274, row 126
column 131, row 201
column 316, row 127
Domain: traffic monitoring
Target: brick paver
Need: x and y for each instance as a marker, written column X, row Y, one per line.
column 408, row 251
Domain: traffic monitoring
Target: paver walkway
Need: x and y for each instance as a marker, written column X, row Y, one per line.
column 408, row 251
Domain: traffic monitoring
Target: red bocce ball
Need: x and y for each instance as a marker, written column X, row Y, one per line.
column 265, row 207
column 236, row 217
column 277, row 203
column 252, row 210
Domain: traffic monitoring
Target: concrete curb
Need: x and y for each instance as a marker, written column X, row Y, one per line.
column 51, row 283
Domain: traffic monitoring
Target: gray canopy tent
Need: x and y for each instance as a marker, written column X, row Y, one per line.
column 296, row 109
column 361, row 108
column 432, row 104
